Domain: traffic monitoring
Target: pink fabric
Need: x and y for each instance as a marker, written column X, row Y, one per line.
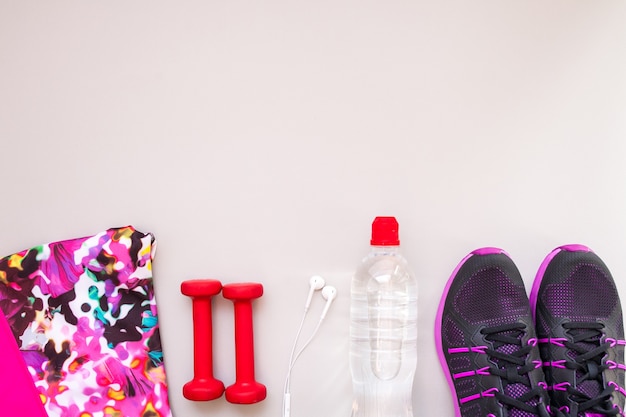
column 84, row 316
column 18, row 395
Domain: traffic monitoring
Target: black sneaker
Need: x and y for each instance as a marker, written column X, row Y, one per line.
column 486, row 340
column 581, row 333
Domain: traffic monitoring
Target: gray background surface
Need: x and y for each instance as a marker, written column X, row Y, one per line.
column 258, row 140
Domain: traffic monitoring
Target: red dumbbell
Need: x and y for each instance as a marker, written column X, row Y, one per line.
column 246, row 390
column 204, row 386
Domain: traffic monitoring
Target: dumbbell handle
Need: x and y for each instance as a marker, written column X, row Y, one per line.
column 244, row 340
column 245, row 390
column 204, row 386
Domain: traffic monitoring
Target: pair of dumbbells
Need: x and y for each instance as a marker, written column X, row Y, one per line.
column 204, row 386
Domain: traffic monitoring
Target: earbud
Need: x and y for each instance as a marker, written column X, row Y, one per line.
column 316, row 283
column 329, row 293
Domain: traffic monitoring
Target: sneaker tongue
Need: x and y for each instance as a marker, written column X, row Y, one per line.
column 590, row 387
column 516, row 390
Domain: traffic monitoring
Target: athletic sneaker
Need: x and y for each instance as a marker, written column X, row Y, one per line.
column 486, row 340
column 581, row 333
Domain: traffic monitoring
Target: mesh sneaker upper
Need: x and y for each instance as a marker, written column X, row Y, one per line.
column 490, row 296
column 486, row 340
column 578, row 315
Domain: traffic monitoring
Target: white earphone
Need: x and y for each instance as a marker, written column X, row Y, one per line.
column 329, row 293
column 315, row 283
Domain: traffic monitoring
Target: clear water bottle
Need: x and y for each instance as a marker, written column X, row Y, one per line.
column 383, row 328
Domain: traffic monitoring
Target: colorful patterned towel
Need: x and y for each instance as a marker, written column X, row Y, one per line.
column 84, row 316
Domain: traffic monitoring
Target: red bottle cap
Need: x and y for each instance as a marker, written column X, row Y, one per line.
column 385, row 232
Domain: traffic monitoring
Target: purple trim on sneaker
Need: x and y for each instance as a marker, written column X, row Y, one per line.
column 555, row 364
column 557, row 341
column 475, row 349
column 561, row 386
column 614, row 342
column 488, row 251
column 491, row 392
column 564, row 409
column 542, row 270
column 575, row 248
column 534, row 292
column 615, row 365
column 481, row 371
column 438, row 342
column 617, row 387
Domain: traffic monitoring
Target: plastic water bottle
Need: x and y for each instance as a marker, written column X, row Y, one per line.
column 383, row 328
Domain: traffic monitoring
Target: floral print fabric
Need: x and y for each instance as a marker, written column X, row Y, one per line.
column 84, row 316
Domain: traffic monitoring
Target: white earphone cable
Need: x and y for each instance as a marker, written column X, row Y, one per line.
column 317, row 327
column 294, row 356
column 292, row 361
column 293, row 351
